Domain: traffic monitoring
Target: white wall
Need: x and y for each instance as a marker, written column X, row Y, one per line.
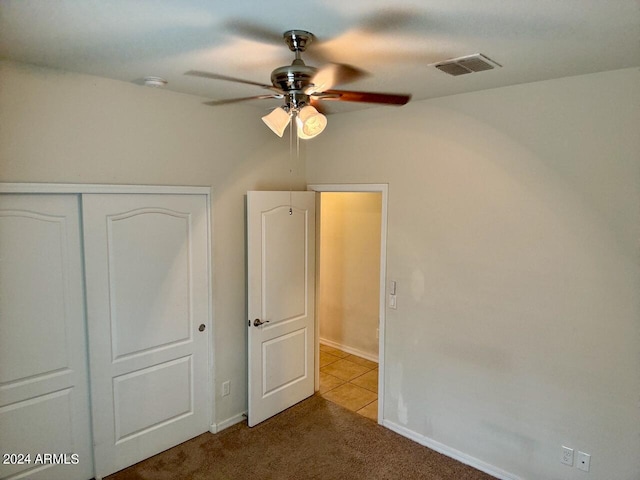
column 513, row 235
column 349, row 270
column 514, row 219
column 64, row 127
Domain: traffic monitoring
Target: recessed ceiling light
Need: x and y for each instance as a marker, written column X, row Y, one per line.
column 155, row 82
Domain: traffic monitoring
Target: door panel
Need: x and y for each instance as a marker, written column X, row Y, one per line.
column 137, row 279
column 44, row 393
column 281, row 279
column 279, row 372
column 148, row 387
column 148, row 283
column 284, row 267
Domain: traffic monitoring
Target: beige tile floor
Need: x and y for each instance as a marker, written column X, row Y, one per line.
column 349, row 380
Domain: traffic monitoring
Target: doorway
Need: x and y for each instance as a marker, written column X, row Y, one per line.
column 350, row 295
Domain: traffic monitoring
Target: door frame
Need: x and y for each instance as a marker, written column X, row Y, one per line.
column 383, row 189
column 79, row 189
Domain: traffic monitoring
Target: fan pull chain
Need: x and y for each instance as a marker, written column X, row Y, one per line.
column 291, row 135
column 297, row 159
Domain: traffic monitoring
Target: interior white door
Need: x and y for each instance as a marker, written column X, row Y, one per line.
column 147, row 273
column 44, row 393
column 281, row 291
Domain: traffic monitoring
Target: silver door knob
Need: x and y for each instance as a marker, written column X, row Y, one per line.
column 202, row 327
column 257, row 322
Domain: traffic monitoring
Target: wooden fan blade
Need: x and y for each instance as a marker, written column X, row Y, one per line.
column 333, row 74
column 254, row 31
column 214, row 103
column 387, row 19
column 366, row 97
column 216, row 76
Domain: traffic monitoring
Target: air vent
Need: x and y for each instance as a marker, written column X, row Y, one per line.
column 467, row 64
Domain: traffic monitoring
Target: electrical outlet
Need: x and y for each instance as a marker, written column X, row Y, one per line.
column 226, row 388
column 567, row 456
column 584, row 461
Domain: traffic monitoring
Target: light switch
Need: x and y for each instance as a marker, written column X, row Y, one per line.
column 392, row 287
column 392, row 302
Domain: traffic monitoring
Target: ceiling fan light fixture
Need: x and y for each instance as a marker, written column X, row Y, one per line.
column 297, row 83
column 277, row 120
column 310, row 122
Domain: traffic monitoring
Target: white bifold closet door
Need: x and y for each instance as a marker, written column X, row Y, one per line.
column 44, row 395
column 147, row 278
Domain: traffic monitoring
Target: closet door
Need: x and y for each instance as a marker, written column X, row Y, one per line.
column 44, row 395
column 146, row 260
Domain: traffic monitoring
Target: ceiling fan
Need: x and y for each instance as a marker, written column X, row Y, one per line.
column 302, row 86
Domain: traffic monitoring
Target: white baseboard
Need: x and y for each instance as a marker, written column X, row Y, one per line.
column 451, row 452
column 351, row 350
column 218, row 427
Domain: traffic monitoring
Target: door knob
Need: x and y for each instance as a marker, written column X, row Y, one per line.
column 257, row 322
column 202, row 327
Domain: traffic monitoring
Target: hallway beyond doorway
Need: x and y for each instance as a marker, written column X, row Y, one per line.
column 349, row 380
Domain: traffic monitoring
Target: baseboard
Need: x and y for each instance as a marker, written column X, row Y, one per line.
column 218, row 427
column 351, row 350
column 451, row 452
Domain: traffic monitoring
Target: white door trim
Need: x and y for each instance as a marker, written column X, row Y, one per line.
column 382, row 188
column 80, row 188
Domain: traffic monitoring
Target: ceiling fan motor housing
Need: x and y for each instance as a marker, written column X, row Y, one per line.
column 297, row 40
column 292, row 78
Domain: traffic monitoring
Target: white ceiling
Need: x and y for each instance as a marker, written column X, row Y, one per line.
column 394, row 41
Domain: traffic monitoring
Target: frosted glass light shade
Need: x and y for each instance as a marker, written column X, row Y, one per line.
column 310, row 122
column 277, row 120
